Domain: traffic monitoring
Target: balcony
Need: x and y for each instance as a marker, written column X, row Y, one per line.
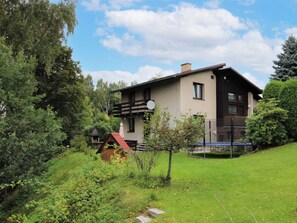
column 131, row 108
column 237, row 120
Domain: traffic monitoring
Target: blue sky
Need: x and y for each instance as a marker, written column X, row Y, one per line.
column 134, row 40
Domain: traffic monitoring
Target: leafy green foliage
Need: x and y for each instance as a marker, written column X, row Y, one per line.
column 104, row 100
column 286, row 65
column 288, row 101
column 165, row 133
column 63, row 90
column 28, row 136
column 265, row 127
column 37, row 27
column 272, row 90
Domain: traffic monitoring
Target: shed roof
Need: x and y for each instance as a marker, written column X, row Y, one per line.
column 118, row 139
column 95, row 132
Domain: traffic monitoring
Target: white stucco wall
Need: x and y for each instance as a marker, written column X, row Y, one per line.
column 208, row 104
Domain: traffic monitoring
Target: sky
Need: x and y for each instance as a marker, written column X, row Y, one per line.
column 135, row 40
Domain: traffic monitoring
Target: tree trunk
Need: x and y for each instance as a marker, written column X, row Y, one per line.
column 168, row 177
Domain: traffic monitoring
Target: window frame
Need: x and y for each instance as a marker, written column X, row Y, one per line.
column 195, row 92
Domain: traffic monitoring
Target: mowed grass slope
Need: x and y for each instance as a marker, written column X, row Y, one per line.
column 261, row 187
column 254, row 188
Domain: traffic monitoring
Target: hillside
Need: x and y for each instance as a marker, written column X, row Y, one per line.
column 254, row 188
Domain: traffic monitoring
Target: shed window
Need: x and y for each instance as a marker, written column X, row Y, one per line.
column 197, row 91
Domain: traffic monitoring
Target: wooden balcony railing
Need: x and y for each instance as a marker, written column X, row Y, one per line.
column 131, row 108
column 237, row 120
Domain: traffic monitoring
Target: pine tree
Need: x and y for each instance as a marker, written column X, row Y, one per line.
column 286, row 65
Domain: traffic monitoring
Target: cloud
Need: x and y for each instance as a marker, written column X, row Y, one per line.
column 212, row 4
column 92, row 5
column 144, row 73
column 291, row 31
column 254, row 80
column 246, row 2
column 97, row 5
column 190, row 33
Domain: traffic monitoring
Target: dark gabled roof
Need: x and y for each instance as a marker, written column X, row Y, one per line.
column 95, row 133
column 173, row 76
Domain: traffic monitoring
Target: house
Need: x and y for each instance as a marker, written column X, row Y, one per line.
column 113, row 143
column 223, row 94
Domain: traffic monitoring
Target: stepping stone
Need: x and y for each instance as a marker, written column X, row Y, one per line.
column 155, row 212
column 143, row 219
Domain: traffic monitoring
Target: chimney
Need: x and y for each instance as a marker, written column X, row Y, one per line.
column 185, row 67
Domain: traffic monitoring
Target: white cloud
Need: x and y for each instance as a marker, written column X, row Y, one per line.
column 190, row 33
column 291, row 31
column 92, row 5
column 97, row 5
column 246, row 2
column 254, row 80
column 212, row 4
column 144, row 73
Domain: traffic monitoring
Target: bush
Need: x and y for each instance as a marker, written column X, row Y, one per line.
column 266, row 126
column 89, row 197
column 288, row 101
column 272, row 90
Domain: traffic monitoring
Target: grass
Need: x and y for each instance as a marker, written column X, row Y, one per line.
column 261, row 187
column 254, row 188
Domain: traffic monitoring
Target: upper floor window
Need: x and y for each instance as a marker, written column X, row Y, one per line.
column 147, row 94
column 197, row 91
column 132, row 97
column 235, row 96
column 231, row 96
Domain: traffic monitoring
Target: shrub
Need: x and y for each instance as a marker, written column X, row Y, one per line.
column 288, row 101
column 266, row 126
column 272, row 90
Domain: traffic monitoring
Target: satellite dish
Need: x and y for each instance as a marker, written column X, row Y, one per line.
column 150, row 105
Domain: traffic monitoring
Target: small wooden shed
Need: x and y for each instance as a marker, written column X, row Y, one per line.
column 108, row 147
column 95, row 141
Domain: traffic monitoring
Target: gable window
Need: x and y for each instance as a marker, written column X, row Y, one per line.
column 147, row 94
column 131, row 124
column 197, row 91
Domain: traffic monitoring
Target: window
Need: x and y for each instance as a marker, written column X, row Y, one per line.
column 132, row 97
column 147, row 94
column 232, row 109
column 231, row 96
column 239, row 98
column 197, row 91
column 131, row 123
column 240, row 110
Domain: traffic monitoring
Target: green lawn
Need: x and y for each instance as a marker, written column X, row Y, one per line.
column 254, row 188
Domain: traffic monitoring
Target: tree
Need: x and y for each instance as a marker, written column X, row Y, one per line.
column 63, row 90
column 288, row 101
column 28, row 136
column 265, row 127
column 272, row 89
column 171, row 135
column 104, row 98
column 38, row 27
column 286, row 65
